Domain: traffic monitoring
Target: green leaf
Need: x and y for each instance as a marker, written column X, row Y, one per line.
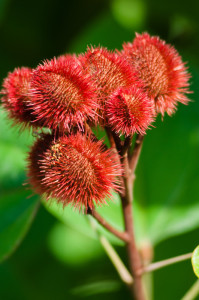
column 96, row 288
column 70, row 217
column 16, row 210
column 13, row 135
column 73, row 241
column 16, row 215
column 79, row 222
column 71, row 246
column 195, row 261
column 13, row 147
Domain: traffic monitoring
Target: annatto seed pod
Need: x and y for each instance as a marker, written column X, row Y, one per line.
column 161, row 70
column 16, row 98
column 108, row 70
column 73, row 169
column 62, row 96
column 129, row 111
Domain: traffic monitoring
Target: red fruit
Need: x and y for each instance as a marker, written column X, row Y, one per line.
column 16, row 96
column 161, row 69
column 73, row 169
column 108, row 70
column 62, row 96
column 129, row 111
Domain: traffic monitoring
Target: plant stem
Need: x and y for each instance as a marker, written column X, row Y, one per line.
column 116, row 146
column 114, row 139
column 110, row 137
column 117, row 262
column 133, row 254
column 121, row 235
column 127, row 198
column 114, row 257
column 166, row 262
column 134, row 157
column 193, row 292
column 126, row 144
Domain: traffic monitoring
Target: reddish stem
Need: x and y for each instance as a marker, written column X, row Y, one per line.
column 121, row 235
column 133, row 254
column 134, row 157
column 126, row 195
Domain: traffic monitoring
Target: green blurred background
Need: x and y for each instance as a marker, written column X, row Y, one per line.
column 64, row 260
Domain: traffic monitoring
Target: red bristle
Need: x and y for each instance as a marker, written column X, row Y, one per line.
column 74, row 169
column 161, row 69
column 62, row 96
column 108, row 70
column 129, row 111
column 16, row 97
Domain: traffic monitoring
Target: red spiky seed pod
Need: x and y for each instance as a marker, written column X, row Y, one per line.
column 62, row 96
column 16, row 96
column 74, row 169
column 129, row 111
column 108, row 70
column 161, row 69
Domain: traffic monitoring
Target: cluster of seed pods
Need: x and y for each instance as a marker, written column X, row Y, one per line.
column 120, row 90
